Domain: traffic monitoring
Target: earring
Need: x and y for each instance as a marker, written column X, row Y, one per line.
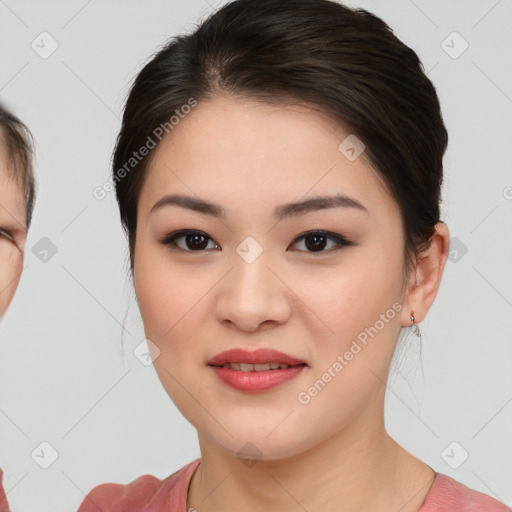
column 416, row 329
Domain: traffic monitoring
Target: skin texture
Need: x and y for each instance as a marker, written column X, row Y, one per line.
column 250, row 157
column 13, row 233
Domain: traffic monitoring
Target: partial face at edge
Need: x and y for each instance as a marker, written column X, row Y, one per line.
column 309, row 298
column 12, row 234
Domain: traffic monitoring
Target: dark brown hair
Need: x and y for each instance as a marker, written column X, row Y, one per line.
column 344, row 62
column 17, row 143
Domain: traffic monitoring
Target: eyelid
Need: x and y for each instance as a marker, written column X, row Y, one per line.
column 16, row 238
column 6, row 234
column 169, row 239
column 340, row 240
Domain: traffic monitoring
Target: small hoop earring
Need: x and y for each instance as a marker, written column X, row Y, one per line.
column 416, row 329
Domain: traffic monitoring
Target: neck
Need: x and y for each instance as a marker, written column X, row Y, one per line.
column 356, row 469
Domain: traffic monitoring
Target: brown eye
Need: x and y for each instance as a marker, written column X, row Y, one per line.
column 193, row 241
column 317, row 241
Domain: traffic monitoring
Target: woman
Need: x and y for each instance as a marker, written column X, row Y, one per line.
column 16, row 205
column 278, row 174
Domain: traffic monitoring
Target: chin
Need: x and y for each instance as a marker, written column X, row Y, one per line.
column 252, row 441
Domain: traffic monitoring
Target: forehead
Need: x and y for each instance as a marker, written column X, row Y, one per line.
column 12, row 200
column 260, row 151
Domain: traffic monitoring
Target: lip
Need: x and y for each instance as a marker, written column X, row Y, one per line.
column 255, row 381
column 259, row 356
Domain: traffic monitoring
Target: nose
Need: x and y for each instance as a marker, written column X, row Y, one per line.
column 253, row 296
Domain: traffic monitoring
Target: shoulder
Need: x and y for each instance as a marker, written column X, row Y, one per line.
column 448, row 494
column 145, row 494
column 121, row 498
column 4, row 507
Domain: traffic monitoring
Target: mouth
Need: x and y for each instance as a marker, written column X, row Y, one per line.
column 253, row 371
column 259, row 360
column 262, row 367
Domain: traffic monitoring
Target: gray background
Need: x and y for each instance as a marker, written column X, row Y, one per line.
column 68, row 376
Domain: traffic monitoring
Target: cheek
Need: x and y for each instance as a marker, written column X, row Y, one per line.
column 351, row 364
column 352, row 297
column 359, row 303
column 11, row 265
column 171, row 299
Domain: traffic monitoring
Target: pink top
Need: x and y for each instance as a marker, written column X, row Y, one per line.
column 4, row 506
column 148, row 494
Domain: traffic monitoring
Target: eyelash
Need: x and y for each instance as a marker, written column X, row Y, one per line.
column 169, row 240
column 4, row 233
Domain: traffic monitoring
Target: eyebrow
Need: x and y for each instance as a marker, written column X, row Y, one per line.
column 280, row 212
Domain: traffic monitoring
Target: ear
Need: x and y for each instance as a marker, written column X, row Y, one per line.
column 426, row 278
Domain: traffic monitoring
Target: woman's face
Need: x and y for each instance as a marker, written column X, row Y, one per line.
column 12, row 234
column 251, row 279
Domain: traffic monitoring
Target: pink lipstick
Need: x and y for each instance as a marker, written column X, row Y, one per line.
column 255, row 371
